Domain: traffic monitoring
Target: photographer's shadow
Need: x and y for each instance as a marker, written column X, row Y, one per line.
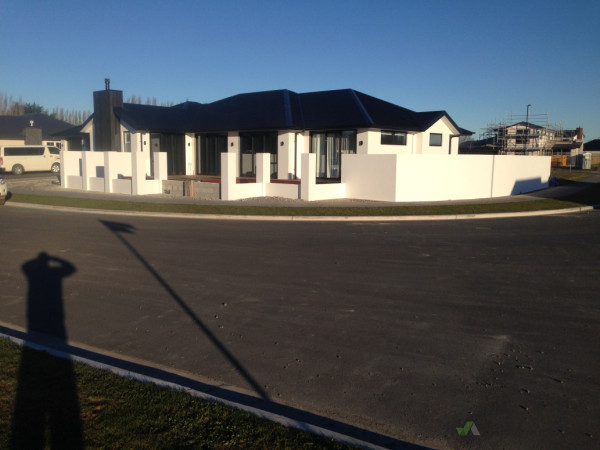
column 47, row 410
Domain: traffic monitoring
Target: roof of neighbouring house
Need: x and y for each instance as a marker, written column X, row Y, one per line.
column 525, row 124
column 74, row 131
column 592, row 145
column 281, row 109
column 11, row 127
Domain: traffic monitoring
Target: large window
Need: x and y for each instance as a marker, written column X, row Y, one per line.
column 253, row 143
column 393, row 138
column 435, row 139
column 329, row 146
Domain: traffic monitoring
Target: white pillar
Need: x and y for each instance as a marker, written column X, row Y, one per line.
column 309, row 181
column 263, row 169
column 138, row 172
column 228, row 175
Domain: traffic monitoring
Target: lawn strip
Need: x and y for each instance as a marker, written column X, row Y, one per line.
column 123, row 413
column 404, row 210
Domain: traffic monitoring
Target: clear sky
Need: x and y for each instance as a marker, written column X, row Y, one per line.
column 478, row 60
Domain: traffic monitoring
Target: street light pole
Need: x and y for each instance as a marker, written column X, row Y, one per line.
column 527, row 128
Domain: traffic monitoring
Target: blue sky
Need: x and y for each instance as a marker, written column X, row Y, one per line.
column 478, row 60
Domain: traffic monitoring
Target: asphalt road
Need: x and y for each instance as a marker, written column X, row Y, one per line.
column 409, row 329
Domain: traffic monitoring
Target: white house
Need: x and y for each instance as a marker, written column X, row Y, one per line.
column 360, row 146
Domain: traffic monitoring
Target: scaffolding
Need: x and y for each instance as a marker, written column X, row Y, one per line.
column 520, row 134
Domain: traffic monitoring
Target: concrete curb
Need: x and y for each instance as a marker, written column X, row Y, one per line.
column 126, row 373
column 309, row 218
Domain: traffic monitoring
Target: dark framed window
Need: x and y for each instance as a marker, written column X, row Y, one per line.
column 393, row 137
column 435, row 139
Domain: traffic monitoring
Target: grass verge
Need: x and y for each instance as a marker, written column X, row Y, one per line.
column 116, row 412
column 589, row 196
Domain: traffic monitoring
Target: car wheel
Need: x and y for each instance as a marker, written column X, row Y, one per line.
column 18, row 169
column 55, row 168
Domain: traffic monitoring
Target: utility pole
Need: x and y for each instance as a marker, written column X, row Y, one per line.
column 527, row 128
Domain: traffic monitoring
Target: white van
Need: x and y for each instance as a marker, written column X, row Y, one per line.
column 31, row 158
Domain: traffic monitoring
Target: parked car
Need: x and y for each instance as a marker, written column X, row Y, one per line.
column 3, row 191
column 29, row 158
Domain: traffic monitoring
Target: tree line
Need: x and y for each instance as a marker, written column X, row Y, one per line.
column 12, row 107
column 137, row 100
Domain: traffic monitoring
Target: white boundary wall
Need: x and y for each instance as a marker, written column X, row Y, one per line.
column 408, row 178
column 399, row 178
column 116, row 172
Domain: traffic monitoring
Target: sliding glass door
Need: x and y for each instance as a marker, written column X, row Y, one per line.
column 210, row 147
column 253, row 143
column 329, row 146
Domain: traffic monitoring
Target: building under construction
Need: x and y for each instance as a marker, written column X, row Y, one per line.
column 527, row 135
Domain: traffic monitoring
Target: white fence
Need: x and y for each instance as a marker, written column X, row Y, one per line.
column 308, row 190
column 123, row 173
column 409, row 178
column 399, row 178
column 393, row 178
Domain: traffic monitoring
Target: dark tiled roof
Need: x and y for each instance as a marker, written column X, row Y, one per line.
column 73, row 131
column 280, row 110
column 11, row 127
column 592, row 145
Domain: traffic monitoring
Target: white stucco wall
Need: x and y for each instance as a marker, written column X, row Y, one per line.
column 190, row 154
column 371, row 177
column 285, row 155
column 112, row 171
column 409, row 178
column 303, row 147
column 513, row 177
column 310, row 190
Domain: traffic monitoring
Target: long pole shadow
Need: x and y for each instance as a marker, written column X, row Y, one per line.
column 118, row 229
column 46, row 410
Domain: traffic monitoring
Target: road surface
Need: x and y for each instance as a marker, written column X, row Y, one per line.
column 408, row 329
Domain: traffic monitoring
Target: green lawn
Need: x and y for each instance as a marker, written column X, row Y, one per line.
column 117, row 412
column 591, row 196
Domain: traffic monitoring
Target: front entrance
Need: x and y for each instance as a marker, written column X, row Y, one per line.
column 208, row 153
column 174, row 146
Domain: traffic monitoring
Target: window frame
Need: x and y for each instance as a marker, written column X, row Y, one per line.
column 432, row 143
column 400, row 136
column 126, row 141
